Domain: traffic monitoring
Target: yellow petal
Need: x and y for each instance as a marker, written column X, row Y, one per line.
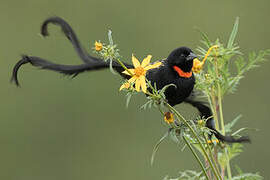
column 98, row 46
column 146, row 61
column 143, row 84
column 135, row 62
column 122, row 87
column 138, row 84
column 126, row 72
column 153, row 66
column 131, row 80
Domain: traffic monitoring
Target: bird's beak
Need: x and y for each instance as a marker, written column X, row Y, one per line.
column 191, row 56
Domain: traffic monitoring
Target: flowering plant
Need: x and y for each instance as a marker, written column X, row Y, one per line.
column 214, row 82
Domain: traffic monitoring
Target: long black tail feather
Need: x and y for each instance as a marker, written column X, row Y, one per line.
column 70, row 34
column 90, row 62
column 14, row 77
column 71, row 70
column 206, row 113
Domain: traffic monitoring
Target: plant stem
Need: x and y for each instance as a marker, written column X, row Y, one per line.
column 122, row 64
column 229, row 172
column 211, row 156
column 220, row 110
column 179, row 116
column 223, row 130
column 219, row 105
column 196, row 157
column 214, row 109
column 160, row 110
column 208, row 169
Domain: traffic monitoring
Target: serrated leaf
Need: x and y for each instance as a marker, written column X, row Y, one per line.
column 235, row 150
column 232, row 151
column 238, row 169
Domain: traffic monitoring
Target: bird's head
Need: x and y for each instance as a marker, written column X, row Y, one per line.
column 181, row 58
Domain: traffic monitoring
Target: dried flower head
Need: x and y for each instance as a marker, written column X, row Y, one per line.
column 168, row 117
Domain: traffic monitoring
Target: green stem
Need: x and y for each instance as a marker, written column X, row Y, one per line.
column 221, row 116
column 160, row 110
column 212, row 157
column 223, row 125
column 223, row 130
column 214, row 105
column 196, row 157
column 122, row 64
column 179, row 116
column 229, row 172
column 220, row 110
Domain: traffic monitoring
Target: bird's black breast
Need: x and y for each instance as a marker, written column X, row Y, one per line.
column 165, row 75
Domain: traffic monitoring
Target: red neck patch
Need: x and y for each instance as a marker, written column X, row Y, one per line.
column 181, row 73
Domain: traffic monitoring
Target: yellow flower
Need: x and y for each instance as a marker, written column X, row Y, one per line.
column 168, row 117
column 139, row 72
column 206, row 76
column 201, row 122
column 214, row 141
column 125, row 86
column 197, row 64
column 98, row 46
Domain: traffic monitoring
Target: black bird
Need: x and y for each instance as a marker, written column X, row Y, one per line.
column 176, row 69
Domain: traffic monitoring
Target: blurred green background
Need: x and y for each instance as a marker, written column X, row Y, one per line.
column 57, row 128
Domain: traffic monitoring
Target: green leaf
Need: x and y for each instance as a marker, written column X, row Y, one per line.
column 233, row 151
column 157, row 146
column 129, row 95
column 194, row 144
column 242, row 129
column 148, row 104
column 248, row 176
column 228, row 127
column 239, row 63
column 188, row 175
column 111, row 67
column 110, row 37
column 238, row 169
column 233, row 33
column 162, row 91
column 205, row 38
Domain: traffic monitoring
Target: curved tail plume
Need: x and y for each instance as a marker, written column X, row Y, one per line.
column 14, row 77
column 206, row 113
column 71, row 70
column 70, row 34
column 90, row 62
